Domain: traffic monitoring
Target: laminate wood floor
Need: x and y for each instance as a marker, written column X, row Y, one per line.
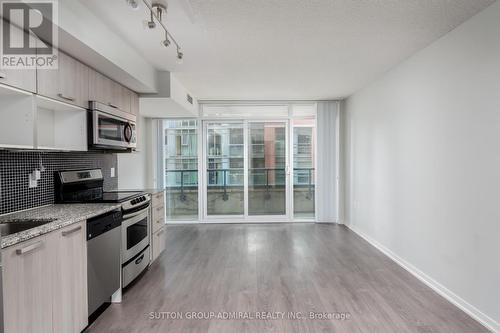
column 295, row 269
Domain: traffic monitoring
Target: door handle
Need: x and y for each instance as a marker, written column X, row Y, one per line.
column 139, row 260
column 68, row 98
column 29, row 248
column 69, row 232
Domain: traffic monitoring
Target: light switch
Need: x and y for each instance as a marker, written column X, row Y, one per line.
column 112, row 172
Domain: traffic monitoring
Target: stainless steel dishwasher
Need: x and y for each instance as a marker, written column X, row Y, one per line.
column 103, row 258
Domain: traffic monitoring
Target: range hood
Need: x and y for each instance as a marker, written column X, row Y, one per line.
column 172, row 99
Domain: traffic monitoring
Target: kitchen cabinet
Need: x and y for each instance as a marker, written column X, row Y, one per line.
column 134, row 104
column 60, row 126
column 107, row 91
column 159, row 245
column 27, row 285
column 20, row 78
column 45, row 282
column 70, row 279
column 158, row 211
column 158, row 225
column 17, row 128
column 69, row 83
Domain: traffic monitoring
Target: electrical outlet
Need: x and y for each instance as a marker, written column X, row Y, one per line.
column 32, row 182
column 112, row 172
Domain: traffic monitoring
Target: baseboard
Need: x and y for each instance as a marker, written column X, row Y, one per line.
column 453, row 298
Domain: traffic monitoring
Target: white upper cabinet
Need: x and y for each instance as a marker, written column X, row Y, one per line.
column 69, row 83
column 20, row 78
column 17, row 118
column 60, row 126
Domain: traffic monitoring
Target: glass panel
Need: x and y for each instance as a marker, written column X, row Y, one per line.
column 225, row 163
column 304, row 110
column 303, row 168
column 136, row 233
column 181, row 169
column 110, row 129
column 266, row 174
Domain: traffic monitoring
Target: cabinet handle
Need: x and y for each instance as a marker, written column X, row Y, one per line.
column 66, row 97
column 112, row 105
column 3, row 75
column 29, row 248
column 69, row 232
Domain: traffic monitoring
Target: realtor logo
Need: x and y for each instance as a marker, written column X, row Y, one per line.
column 29, row 34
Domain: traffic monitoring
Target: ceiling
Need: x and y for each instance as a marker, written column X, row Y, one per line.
column 286, row 49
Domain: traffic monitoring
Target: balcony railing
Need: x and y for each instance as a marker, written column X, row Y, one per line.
column 223, row 184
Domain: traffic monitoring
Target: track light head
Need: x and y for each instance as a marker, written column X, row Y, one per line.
column 166, row 42
column 133, row 4
column 180, row 57
column 151, row 22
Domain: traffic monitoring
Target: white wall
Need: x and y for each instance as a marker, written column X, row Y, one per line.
column 134, row 169
column 423, row 164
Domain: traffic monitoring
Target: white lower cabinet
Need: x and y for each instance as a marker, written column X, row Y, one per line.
column 70, row 311
column 27, row 286
column 158, row 225
column 158, row 240
column 45, row 283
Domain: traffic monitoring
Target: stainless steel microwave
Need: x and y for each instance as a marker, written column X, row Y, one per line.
column 111, row 128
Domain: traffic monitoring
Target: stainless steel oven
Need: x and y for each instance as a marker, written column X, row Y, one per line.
column 135, row 237
column 111, row 128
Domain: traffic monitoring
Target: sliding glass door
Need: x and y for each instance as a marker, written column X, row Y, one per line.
column 260, row 166
column 267, row 162
column 225, row 171
column 246, row 169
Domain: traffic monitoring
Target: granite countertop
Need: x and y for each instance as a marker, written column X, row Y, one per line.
column 64, row 215
column 147, row 190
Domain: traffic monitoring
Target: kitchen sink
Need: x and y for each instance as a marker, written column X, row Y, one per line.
column 9, row 228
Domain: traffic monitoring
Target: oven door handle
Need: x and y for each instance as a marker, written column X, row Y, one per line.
column 127, row 216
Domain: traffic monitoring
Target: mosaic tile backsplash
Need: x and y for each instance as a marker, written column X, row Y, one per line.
column 15, row 168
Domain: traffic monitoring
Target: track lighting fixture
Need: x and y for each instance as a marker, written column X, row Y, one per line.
column 157, row 10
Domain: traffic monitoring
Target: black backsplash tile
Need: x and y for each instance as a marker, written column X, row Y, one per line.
column 16, row 166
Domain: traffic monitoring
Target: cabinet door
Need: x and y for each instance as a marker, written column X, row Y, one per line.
column 158, row 240
column 69, row 83
column 27, row 286
column 17, row 127
column 124, row 98
column 70, row 280
column 103, row 89
column 134, row 103
column 20, row 78
column 100, row 88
